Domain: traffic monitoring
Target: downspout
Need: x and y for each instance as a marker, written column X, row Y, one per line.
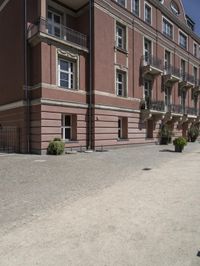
column 90, row 135
column 26, row 79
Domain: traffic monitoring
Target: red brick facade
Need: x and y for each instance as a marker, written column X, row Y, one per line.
column 134, row 63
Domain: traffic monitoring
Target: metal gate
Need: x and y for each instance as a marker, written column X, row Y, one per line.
column 9, row 139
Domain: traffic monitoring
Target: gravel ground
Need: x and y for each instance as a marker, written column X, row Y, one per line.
column 137, row 206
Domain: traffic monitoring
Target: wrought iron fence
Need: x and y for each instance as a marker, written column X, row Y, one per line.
column 9, row 139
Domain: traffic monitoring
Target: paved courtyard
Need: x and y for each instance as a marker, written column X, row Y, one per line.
column 136, row 206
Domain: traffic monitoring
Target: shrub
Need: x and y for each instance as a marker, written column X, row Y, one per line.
column 193, row 133
column 180, row 142
column 57, row 139
column 164, row 134
column 56, row 147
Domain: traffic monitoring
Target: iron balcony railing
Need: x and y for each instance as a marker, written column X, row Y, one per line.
column 62, row 32
column 160, row 106
column 153, row 61
column 172, row 70
column 196, row 82
column 187, row 77
column 173, row 108
column 155, row 105
column 191, row 111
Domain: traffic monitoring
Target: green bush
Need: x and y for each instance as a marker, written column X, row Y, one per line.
column 56, row 147
column 57, row 139
column 193, row 133
column 165, row 134
column 180, row 142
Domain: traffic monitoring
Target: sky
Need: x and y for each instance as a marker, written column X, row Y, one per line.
column 192, row 9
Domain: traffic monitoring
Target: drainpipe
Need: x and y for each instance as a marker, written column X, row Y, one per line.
column 26, row 79
column 90, row 137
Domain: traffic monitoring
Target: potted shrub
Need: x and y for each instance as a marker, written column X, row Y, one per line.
column 179, row 144
column 193, row 133
column 165, row 135
column 56, row 147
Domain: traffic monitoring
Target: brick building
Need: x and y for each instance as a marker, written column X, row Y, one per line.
column 98, row 72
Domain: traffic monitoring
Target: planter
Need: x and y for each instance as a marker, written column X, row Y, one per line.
column 193, row 139
column 178, row 148
column 164, row 141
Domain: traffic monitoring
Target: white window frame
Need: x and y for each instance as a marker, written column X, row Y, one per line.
column 132, row 7
column 125, row 3
column 168, row 21
column 146, row 4
column 195, row 44
column 193, row 68
column 69, row 73
column 170, row 53
column 144, row 50
column 63, row 127
column 53, row 24
column 168, row 96
column 183, row 59
column 123, row 83
column 179, row 34
column 118, row 25
column 149, row 89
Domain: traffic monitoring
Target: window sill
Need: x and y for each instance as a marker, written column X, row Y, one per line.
column 70, row 141
column 65, row 88
column 124, row 51
column 120, row 140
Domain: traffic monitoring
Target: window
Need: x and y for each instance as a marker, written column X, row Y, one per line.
column 167, row 28
column 120, row 36
column 183, row 69
column 68, row 128
column 182, row 40
column 195, row 75
column 122, row 128
column 195, row 49
column 148, row 92
column 167, row 62
column 121, row 2
column 147, row 14
column 175, row 8
column 121, row 83
column 167, row 96
column 136, row 7
column 54, row 24
column 147, row 51
column 66, row 74
column 183, row 98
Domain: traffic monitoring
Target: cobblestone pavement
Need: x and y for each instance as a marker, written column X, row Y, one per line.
column 135, row 206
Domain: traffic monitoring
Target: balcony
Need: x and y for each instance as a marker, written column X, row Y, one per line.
column 151, row 65
column 191, row 111
column 175, row 109
column 63, row 33
column 171, row 74
column 187, row 81
column 196, row 86
column 151, row 108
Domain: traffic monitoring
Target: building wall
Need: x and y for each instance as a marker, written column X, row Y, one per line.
column 12, row 52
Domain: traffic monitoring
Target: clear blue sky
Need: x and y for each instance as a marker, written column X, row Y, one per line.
column 192, row 9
